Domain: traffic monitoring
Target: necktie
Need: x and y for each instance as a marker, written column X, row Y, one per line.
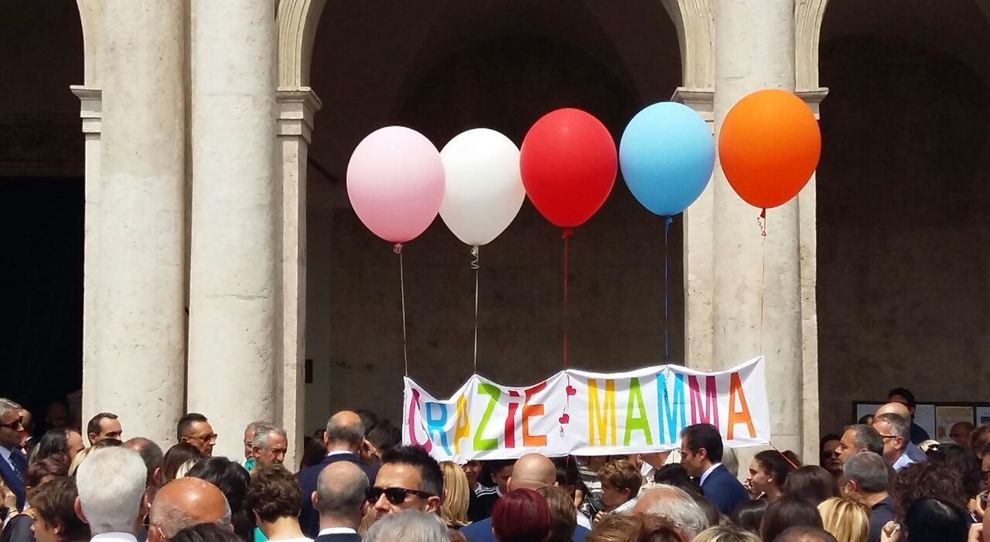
column 19, row 462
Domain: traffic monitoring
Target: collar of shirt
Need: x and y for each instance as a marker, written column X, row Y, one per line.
column 708, row 471
column 647, row 471
column 339, row 452
column 114, row 537
column 5, row 454
column 902, row 462
column 337, row 530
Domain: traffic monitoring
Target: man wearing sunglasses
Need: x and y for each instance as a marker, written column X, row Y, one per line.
column 895, row 430
column 13, row 464
column 409, row 479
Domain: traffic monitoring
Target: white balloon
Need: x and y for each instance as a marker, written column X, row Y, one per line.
column 484, row 189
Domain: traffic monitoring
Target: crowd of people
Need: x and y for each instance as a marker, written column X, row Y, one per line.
column 879, row 480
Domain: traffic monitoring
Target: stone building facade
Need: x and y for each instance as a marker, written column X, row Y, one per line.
column 220, row 253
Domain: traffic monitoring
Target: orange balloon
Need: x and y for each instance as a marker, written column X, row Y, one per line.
column 769, row 147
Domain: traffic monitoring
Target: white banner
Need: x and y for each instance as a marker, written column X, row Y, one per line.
column 583, row 413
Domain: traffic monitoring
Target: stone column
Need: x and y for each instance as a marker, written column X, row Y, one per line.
column 91, row 113
column 234, row 313
column 136, row 351
column 699, row 251
column 755, row 50
column 296, row 108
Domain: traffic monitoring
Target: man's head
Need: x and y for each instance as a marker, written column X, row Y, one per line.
column 675, row 504
column 153, row 458
column 341, row 495
column 856, row 438
column 195, row 429
column 57, row 415
column 409, row 479
column 111, row 490
column 183, row 503
column 269, row 444
column 895, row 431
column 103, row 426
column 905, row 397
column 274, row 493
column 893, row 407
column 701, row 446
column 10, row 423
column 501, row 471
column 960, row 433
column 344, row 432
column 249, row 436
column 412, row 526
column 865, row 473
column 532, row 471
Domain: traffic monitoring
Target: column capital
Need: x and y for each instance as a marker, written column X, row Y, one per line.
column 90, row 107
column 701, row 100
column 296, row 108
column 813, row 98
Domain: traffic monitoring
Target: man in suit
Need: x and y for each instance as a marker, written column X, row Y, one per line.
column 13, row 463
column 340, row 498
column 701, row 455
column 112, row 499
column 531, row 471
column 343, row 439
column 103, row 426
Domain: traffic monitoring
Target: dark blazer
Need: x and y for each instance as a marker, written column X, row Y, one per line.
column 309, row 518
column 13, row 481
column 481, row 531
column 341, row 537
column 724, row 490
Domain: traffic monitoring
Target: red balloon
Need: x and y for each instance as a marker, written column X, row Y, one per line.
column 568, row 164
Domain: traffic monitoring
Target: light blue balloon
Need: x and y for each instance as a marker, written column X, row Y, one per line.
column 667, row 154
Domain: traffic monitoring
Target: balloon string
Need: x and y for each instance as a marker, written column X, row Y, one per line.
column 666, row 288
column 476, row 266
column 762, row 220
column 402, row 291
column 566, row 234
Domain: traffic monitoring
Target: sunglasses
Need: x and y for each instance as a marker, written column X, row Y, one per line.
column 15, row 425
column 394, row 495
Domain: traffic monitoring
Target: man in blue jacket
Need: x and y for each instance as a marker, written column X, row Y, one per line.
column 701, row 455
column 13, row 464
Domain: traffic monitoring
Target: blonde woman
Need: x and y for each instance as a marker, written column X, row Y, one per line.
column 726, row 533
column 847, row 519
column 456, row 495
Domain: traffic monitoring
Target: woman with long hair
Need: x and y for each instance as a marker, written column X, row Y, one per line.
column 847, row 519
column 811, row 483
column 456, row 495
column 767, row 472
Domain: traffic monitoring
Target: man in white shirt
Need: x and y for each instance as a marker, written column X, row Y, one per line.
column 112, row 500
column 340, row 498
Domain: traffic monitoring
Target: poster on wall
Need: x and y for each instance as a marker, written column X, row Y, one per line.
column 982, row 415
column 586, row 413
column 946, row 417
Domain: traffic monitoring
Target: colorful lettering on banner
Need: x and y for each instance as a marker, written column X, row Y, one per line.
column 668, row 410
column 601, row 413
column 484, row 420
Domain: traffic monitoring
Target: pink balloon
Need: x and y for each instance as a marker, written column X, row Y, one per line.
column 395, row 183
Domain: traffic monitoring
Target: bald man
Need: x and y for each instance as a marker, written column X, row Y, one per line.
column 340, row 498
column 913, row 452
column 343, row 441
column 186, row 502
column 531, row 471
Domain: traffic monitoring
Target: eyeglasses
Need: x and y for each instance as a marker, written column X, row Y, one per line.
column 212, row 437
column 394, row 495
column 18, row 423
